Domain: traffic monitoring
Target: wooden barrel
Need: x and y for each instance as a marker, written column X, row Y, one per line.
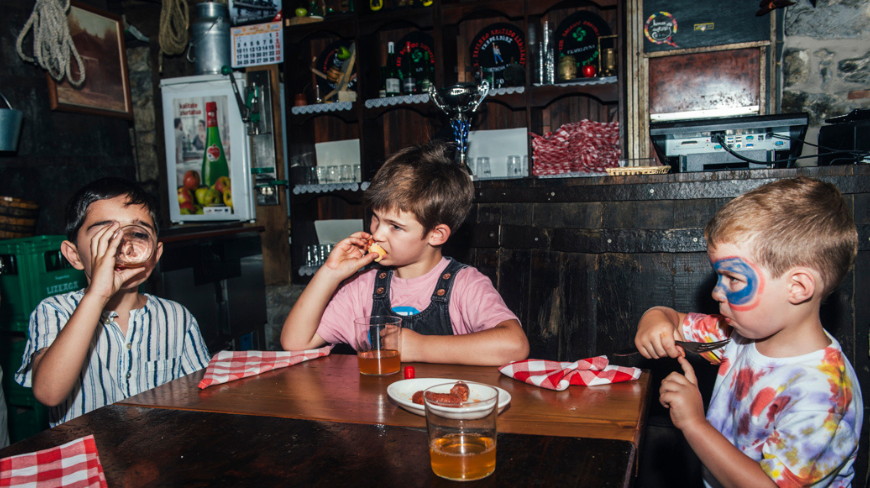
column 17, row 217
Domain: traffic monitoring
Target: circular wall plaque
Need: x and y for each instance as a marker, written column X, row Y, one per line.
column 578, row 35
column 496, row 47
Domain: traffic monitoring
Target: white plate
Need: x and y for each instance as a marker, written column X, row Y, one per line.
column 402, row 391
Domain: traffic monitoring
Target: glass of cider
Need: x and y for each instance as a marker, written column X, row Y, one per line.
column 378, row 344
column 137, row 246
column 462, row 432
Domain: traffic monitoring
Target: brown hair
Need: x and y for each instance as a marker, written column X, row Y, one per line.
column 791, row 222
column 425, row 181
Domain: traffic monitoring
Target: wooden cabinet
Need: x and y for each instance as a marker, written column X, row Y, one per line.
column 452, row 27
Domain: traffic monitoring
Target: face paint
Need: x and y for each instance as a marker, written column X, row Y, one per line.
column 743, row 299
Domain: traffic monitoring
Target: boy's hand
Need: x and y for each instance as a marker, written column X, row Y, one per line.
column 349, row 255
column 680, row 394
column 656, row 332
column 105, row 279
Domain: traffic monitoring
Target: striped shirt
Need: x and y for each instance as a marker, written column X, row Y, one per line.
column 163, row 342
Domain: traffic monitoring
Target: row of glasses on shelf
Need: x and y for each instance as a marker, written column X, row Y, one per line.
column 336, row 173
column 516, row 166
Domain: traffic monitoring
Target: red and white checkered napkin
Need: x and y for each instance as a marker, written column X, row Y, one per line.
column 228, row 366
column 74, row 464
column 556, row 375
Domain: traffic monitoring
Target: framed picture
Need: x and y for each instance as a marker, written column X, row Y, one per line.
column 99, row 39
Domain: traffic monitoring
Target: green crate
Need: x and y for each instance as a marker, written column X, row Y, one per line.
column 26, row 420
column 31, row 269
column 11, row 350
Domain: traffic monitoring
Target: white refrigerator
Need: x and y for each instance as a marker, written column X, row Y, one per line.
column 184, row 123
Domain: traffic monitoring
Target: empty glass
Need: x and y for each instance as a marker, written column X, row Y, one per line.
column 513, row 167
column 334, row 176
column 357, row 172
column 484, row 170
column 346, row 173
column 322, row 175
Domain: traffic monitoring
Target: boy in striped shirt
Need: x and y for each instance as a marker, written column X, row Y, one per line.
column 96, row 346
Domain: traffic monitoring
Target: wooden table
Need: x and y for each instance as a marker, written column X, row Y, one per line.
column 151, row 447
column 332, row 389
column 322, row 423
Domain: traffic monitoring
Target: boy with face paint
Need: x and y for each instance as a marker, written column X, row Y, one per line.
column 786, row 409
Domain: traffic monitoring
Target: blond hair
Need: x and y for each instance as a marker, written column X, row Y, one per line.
column 791, row 222
column 426, row 182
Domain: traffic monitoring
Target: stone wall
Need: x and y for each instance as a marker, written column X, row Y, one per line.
column 826, row 61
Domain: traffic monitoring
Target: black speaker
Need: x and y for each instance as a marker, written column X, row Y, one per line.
column 843, row 141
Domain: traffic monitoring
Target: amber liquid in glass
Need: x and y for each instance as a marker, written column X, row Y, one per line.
column 463, row 457
column 379, row 362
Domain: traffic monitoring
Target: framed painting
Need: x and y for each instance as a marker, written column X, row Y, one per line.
column 99, row 39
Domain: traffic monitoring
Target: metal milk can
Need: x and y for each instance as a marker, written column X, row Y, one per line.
column 210, row 38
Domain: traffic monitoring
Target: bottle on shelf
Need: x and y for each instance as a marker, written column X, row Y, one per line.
column 426, row 75
column 392, row 86
column 214, row 161
column 409, row 81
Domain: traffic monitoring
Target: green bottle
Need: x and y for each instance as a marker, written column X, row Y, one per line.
column 214, row 161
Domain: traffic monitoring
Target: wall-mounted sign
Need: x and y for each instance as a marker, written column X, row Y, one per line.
column 494, row 49
column 660, row 28
column 578, row 35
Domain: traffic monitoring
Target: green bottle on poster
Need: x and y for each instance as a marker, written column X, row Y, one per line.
column 214, row 161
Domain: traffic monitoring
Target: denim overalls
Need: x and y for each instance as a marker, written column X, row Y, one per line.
column 435, row 320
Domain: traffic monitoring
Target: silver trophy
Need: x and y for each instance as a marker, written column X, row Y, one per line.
column 459, row 102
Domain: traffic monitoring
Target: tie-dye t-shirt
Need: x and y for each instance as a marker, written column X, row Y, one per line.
column 799, row 417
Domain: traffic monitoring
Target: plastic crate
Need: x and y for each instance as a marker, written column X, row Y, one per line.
column 32, row 268
column 11, row 349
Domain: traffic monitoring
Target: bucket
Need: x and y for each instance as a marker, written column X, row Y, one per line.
column 10, row 127
column 210, row 38
column 17, row 217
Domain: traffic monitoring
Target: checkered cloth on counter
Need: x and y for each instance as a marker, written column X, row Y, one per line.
column 556, row 375
column 228, row 366
column 75, row 464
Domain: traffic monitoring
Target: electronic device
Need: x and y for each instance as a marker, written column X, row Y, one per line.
column 846, row 140
column 738, row 142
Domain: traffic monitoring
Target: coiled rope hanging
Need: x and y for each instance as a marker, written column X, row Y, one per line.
column 52, row 44
column 174, row 18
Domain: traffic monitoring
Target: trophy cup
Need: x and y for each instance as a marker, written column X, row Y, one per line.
column 459, row 102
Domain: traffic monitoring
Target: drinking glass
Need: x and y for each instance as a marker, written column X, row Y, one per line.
column 484, row 170
column 346, row 173
column 378, row 341
column 322, row 175
column 462, row 435
column 136, row 247
column 334, row 176
column 357, row 173
column 513, row 166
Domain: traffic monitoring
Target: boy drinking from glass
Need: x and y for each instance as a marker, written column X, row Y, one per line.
column 451, row 313
column 96, row 346
column 786, row 408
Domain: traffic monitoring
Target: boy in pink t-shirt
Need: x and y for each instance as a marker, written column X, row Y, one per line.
column 451, row 312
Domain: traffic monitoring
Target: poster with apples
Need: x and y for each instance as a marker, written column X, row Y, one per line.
column 196, row 196
column 224, row 192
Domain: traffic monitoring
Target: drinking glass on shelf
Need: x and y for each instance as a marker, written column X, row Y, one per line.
column 513, row 166
column 322, row 175
column 484, row 170
column 346, row 172
column 333, row 174
column 357, row 173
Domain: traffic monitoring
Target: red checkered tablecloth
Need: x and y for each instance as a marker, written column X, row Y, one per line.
column 75, row 464
column 228, row 366
column 556, row 375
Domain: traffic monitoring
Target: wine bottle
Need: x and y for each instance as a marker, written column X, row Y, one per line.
column 409, row 83
column 214, row 161
column 391, row 73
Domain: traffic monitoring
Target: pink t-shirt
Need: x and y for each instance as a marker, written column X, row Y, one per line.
column 475, row 304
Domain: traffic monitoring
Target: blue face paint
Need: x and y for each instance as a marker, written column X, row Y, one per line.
column 738, row 298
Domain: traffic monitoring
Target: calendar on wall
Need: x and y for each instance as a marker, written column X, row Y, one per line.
column 255, row 45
